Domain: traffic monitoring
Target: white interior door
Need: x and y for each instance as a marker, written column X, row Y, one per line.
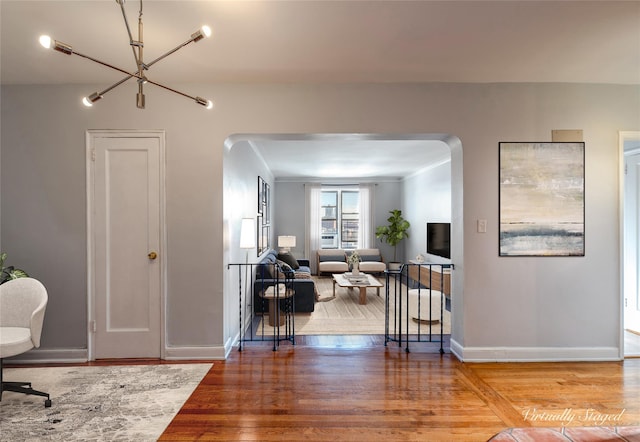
column 631, row 249
column 127, row 248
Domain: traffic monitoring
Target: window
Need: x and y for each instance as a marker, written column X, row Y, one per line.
column 340, row 219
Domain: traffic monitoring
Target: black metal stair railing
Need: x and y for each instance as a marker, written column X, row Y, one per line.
column 398, row 319
column 254, row 305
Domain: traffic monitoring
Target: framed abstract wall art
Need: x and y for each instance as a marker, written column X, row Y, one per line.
column 542, row 199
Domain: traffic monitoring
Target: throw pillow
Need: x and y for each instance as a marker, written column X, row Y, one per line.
column 284, row 266
column 284, row 270
column 289, row 259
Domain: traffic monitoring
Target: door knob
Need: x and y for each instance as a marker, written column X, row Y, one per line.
column 152, row 255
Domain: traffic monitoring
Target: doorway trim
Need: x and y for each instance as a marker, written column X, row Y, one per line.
column 90, row 135
column 623, row 137
column 457, row 220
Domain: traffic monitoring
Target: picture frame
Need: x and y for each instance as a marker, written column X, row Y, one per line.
column 542, row 198
column 260, row 196
column 264, row 216
column 265, row 237
column 261, row 241
column 267, row 204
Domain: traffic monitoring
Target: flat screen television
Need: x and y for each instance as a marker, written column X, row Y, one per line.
column 439, row 239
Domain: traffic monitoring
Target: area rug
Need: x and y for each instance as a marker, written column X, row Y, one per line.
column 569, row 434
column 114, row 403
column 343, row 314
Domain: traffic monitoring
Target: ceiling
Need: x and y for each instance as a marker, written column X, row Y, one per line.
column 306, row 41
column 349, row 155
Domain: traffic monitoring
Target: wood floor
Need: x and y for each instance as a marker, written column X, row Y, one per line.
column 358, row 390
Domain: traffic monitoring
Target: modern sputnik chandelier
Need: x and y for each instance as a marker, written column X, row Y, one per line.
column 137, row 46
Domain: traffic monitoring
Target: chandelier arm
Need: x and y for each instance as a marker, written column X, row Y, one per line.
column 113, row 86
column 171, row 89
column 95, row 60
column 131, row 41
column 166, row 54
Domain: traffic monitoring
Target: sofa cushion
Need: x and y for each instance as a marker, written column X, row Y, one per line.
column 369, row 254
column 302, row 274
column 269, row 258
column 333, row 257
column 372, row 266
column 289, row 259
column 333, row 267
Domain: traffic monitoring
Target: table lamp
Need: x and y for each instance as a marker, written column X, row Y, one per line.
column 286, row 242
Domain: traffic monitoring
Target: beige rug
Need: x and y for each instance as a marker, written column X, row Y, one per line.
column 343, row 315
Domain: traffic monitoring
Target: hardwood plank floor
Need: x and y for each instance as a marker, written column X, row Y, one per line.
column 368, row 392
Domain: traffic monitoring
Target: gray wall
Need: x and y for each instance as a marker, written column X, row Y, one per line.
column 290, row 205
column 289, row 214
column 517, row 308
column 427, row 198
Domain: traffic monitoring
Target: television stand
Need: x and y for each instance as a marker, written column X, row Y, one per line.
column 431, row 275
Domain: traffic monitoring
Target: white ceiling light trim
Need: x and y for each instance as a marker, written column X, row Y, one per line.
column 137, row 47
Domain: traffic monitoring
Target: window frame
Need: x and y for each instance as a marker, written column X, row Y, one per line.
column 341, row 229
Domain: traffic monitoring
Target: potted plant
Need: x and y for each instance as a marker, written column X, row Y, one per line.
column 10, row 272
column 393, row 233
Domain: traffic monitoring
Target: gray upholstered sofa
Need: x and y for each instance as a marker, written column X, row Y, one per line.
column 335, row 261
column 278, row 268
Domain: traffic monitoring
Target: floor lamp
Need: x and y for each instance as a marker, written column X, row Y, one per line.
column 247, row 242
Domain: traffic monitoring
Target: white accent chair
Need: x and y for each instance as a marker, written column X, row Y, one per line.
column 332, row 261
column 371, row 261
column 22, row 305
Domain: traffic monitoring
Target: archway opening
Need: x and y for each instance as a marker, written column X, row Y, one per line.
column 244, row 161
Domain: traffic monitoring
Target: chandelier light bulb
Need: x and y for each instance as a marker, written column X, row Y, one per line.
column 208, row 104
column 88, row 101
column 45, row 41
column 203, row 32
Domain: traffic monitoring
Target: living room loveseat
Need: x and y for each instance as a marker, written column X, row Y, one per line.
column 335, row 261
column 278, row 268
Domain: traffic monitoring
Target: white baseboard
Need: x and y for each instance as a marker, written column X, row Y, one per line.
column 231, row 343
column 534, row 354
column 50, row 356
column 197, row 353
column 80, row 355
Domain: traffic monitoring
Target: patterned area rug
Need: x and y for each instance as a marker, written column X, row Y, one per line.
column 569, row 434
column 115, row 403
column 343, row 314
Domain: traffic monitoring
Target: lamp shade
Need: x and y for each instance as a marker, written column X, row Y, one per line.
column 247, row 234
column 286, row 241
